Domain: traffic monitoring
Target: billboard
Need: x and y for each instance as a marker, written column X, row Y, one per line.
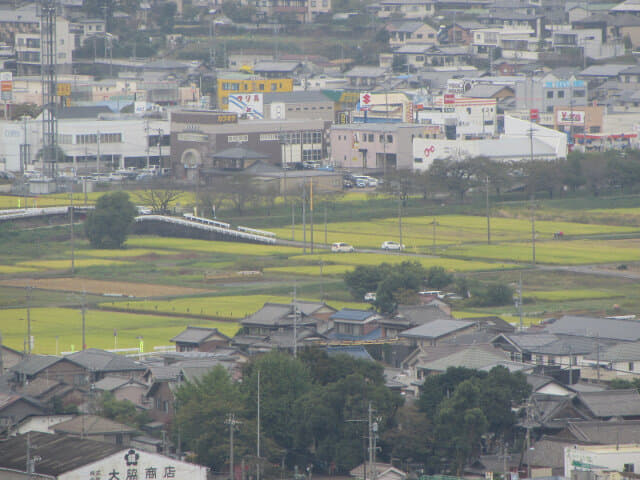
column 365, row 101
column 570, row 117
column 249, row 104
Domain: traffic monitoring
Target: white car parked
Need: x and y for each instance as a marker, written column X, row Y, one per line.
column 390, row 245
column 370, row 297
column 342, row 247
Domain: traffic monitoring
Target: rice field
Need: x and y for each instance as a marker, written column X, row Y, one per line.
column 234, row 306
column 569, row 295
column 60, row 329
column 66, row 264
column 206, row 246
column 575, row 252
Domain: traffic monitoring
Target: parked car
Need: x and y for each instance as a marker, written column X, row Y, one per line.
column 370, row 297
column 347, row 184
column 361, row 183
column 342, row 247
column 390, row 245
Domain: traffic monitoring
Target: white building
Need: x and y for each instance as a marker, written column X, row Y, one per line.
column 28, row 49
column 120, row 140
column 473, row 117
column 61, row 457
column 601, row 458
column 515, row 145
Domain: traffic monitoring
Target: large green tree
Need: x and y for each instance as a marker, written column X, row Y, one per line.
column 202, row 407
column 108, row 224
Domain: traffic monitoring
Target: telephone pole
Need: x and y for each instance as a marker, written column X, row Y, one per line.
column 232, row 421
column 488, row 215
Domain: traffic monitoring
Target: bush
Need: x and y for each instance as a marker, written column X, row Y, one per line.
column 108, row 224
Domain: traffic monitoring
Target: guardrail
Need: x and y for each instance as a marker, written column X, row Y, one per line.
column 257, row 232
column 210, row 228
column 207, row 221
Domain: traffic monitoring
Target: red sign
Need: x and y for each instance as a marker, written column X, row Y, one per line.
column 366, row 99
column 429, row 150
column 534, row 115
column 6, row 86
column 449, row 98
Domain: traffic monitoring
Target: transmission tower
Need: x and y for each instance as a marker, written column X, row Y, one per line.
column 48, row 61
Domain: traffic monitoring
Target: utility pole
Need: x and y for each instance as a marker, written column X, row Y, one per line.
column 400, row 220
column 160, row 132
column 434, row 224
column 293, row 220
column 304, row 218
column 84, row 307
column 311, row 211
column 325, row 225
column 98, row 152
column 533, row 229
column 520, row 302
column 372, row 468
column 258, row 433
column 146, row 137
column 73, row 257
column 28, row 320
column 488, row 215
column 295, row 322
column 232, row 422
column 598, row 358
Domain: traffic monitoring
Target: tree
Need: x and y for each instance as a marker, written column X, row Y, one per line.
column 122, row 411
column 438, row 278
column 365, row 278
column 159, row 199
column 202, row 407
column 108, row 224
column 459, row 176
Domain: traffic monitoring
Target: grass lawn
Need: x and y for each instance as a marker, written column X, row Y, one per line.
column 66, row 324
column 233, row 306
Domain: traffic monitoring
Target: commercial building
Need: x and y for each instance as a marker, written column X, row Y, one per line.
column 237, row 83
column 382, row 146
column 462, row 117
column 597, row 460
column 199, row 140
column 547, row 92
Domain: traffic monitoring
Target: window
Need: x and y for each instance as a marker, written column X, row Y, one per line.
column 274, row 87
column 370, row 137
column 389, row 138
column 550, row 94
column 578, row 93
column 417, row 160
column 631, row 366
column 628, row 468
column 262, row 86
column 381, row 139
column 560, row 93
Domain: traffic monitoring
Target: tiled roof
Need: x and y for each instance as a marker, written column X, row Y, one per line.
column 195, row 334
column 475, row 357
column 353, row 315
column 604, row 328
column 91, row 425
column 436, row 329
column 621, row 352
column 94, row 359
column 612, row 403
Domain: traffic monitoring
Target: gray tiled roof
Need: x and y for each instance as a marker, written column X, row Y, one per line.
column 621, row 352
column 353, row 315
column 34, row 364
column 567, row 346
column 58, row 453
column 94, row 359
column 270, row 314
column 276, row 66
column 475, row 357
column 110, row 383
column 436, row 329
column 604, row 433
column 612, row 403
column 91, row 425
column 605, row 328
column 195, row 334
column 419, row 315
column 361, row 71
column 607, row 70
column 407, row 27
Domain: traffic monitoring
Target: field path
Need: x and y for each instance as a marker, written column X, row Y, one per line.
column 102, row 287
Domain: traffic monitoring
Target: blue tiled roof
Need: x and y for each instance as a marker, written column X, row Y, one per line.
column 372, row 335
column 352, row 314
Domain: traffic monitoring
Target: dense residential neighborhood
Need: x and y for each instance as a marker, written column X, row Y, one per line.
column 368, row 240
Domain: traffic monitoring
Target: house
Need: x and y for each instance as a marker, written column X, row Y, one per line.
column 100, row 363
column 612, row 329
column 15, row 407
column 279, row 317
column 461, row 33
column 409, row 316
column 418, row 55
column 47, row 390
column 547, row 385
column 274, row 69
column 200, row 339
column 477, row 357
column 96, row 428
column 609, row 404
column 409, row 9
column 123, row 389
column 499, row 92
column 49, row 367
column 383, row 471
column 619, row 360
column 411, row 32
column 431, row 333
column 62, row 457
column 351, row 324
column 365, row 77
column 8, row 358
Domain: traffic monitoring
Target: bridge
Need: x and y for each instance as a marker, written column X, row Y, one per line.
column 187, row 226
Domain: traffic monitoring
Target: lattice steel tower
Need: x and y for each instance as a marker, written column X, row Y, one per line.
column 48, row 61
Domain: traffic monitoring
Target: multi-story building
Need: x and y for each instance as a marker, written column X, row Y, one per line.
column 86, row 135
column 203, row 140
column 547, row 92
column 230, row 83
column 301, row 10
column 28, row 49
column 462, row 117
column 380, row 146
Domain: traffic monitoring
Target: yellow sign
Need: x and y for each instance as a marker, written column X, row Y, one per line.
column 63, row 89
